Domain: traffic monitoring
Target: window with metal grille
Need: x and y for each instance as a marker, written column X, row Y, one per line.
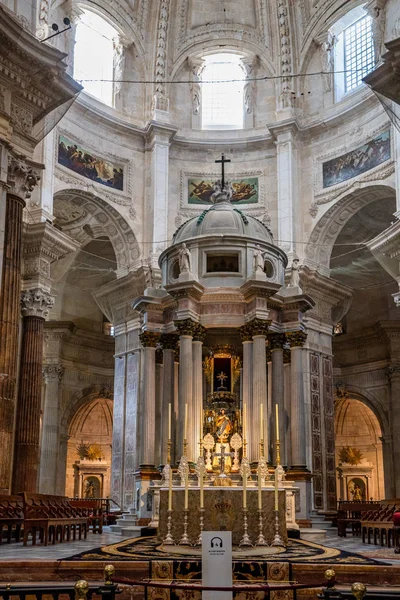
column 358, row 52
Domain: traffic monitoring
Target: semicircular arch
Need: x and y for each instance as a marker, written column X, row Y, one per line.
column 371, row 401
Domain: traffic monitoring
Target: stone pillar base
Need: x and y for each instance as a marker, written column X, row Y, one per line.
column 303, row 497
column 144, row 476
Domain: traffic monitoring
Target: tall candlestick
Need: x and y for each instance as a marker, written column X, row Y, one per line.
column 276, row 490
column 259, row 490
column 277, row 422
column 187, row 489
column 261, row 423
column 185, row 424
column 244, row 490
column 244, row 429
column 169, row 421
column 170, row 490
column 201, row 487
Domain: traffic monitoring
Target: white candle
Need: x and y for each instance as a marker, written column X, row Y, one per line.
column 261, row 423
column 185, row 424
column 244, row 492
column 169, row 421
column 201, row 487
column 170, row 491
column 187, row 490
column 276, row 490
column 277, row 422
column 259, row 491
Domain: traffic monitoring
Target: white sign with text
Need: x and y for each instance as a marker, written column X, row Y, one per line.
column 217, row 563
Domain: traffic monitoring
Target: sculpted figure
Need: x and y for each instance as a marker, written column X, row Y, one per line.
column 258, row 260
column 294, row 280
column 184, row 259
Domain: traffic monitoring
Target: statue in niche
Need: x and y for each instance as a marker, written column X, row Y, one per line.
column 356, row 492
column 89, row 490
column 184, row 259
column 258, row 260
column 224, row 426
column 294, row 280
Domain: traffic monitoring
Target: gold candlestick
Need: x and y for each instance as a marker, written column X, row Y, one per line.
column 169, row 445
column 185, row 444
column 262, row 448
column 278, row 453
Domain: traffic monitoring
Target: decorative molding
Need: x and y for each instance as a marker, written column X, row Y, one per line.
column 286, row 94
column 21, row 118
column 53, row 372
column 296, row 339
column 22, row 178
column 36, row 303
column 161, row 101
column 82, row 183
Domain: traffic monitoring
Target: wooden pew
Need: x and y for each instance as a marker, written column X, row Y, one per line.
column 378, row 524
column 11, row 515
column 350, row 514
column 94, row 510
column 53, row 518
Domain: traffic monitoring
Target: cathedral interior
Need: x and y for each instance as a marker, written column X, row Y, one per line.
column 200, row 260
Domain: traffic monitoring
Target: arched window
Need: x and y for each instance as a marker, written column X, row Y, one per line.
column 94, row 55
column 354, row 50
column 222, row 92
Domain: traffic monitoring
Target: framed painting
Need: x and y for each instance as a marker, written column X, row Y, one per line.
column 357, row 161
column 75, row 157
column 245, row 190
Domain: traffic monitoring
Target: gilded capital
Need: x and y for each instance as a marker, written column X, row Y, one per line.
column 149, row 339
column 53, row 372
column 245, row 333
column 22, row 178
column 276, row 340
column 199, row 333
column 296, row 339
column 258, row 327
column 36, row 303
column 286, row 356
column 169, row 341
column 186, row 327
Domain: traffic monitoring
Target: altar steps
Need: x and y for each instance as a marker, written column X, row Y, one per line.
column 126, row 526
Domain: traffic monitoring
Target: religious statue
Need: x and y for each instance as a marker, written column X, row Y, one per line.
column 294, row 280
column 223, row 424
column 356, row 492
column 184, row 259
column 89, row 490
column 258, row 260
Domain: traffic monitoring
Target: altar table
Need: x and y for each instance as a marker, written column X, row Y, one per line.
column 223, row 512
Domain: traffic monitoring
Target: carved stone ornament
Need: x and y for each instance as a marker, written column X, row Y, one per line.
column 276, row 341
column 22, row 178
column 36, row 303
column 149, row 339
column 186, row 327
column 254, row 327
column 169, row 341
column 296, row 339
column 53, row 372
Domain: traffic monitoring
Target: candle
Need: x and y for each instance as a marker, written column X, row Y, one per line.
column 201, row 425
column 187, row 489
column 201, row 487
column 244, row 491
column 276, row 490
column 185, row 424
column 277, row 422
column 244, row 421
column 259, row 491
column 169, row 421
column 261, row 423
column 170, row 491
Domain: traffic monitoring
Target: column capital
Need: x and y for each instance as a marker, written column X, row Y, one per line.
column 199, row 333
column 159, row 356
column 187, row 327
column 253, row 328
column 276, row 341
column 169, row 341
column 36, row 303
column 22, row 178
column 296, row 339
column 52, row 372
column 149, row 339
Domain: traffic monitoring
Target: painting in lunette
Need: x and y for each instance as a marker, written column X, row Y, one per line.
column 73, row 156
column 357, row 161
column 245, row 190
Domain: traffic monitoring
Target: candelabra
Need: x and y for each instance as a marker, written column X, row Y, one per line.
column 261, row 541
column 184, row 541
column 245, row 542
column 278, row 541
column 200, row 538
column 278, row 453
column 169, row 446
column 169, row 540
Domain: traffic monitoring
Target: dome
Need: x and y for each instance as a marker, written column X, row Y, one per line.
column 223, row 218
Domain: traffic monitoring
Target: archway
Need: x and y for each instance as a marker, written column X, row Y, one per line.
column 89, row 449
column 358, row 451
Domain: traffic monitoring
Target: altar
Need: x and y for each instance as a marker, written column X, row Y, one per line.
column 223, row 512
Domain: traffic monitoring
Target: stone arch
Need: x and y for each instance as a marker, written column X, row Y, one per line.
column 372, row 402
column 82, row 400
column 326, row 231
column 74, row 208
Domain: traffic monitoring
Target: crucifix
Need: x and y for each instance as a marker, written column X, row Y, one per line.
column 222, row 161
column 223, row 455
column 222, row 378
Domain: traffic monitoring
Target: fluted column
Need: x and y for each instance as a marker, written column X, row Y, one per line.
column 197, row 404
column 147, row 455
column 276, row 343
column 394, row 379
column 159, row 402
column 297, row 419
column 35, row 308
column 169, row 343
column 21, row 179
column 247, row 374
column 50, row 430
column 186, row 330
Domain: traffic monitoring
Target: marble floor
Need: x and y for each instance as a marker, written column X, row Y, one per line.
column 18, row 552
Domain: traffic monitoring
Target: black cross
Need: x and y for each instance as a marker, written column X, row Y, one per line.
column 223, row 160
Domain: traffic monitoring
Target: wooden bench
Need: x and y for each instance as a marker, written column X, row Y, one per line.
column 53, row 518
column 11, row 515
column 94, row 510
column 350, row 515
column 378, row 524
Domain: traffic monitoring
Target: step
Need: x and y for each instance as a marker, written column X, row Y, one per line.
column 132, row 531
column 127, row 521
column 115, row 528
column 321, row 524
column 311, row 534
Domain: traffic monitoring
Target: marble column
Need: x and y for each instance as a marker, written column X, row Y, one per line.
column 21, row 179
column 185, row 329
column 196, row 413
column 159, row 403
column 50, row 429
column 297, row 421
column 247, row 376
column 62, row 464
column 169, row 343
column 276, row 342
column 394, row 379
column 259, row 330
column 35, row 308
column 147, row 454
